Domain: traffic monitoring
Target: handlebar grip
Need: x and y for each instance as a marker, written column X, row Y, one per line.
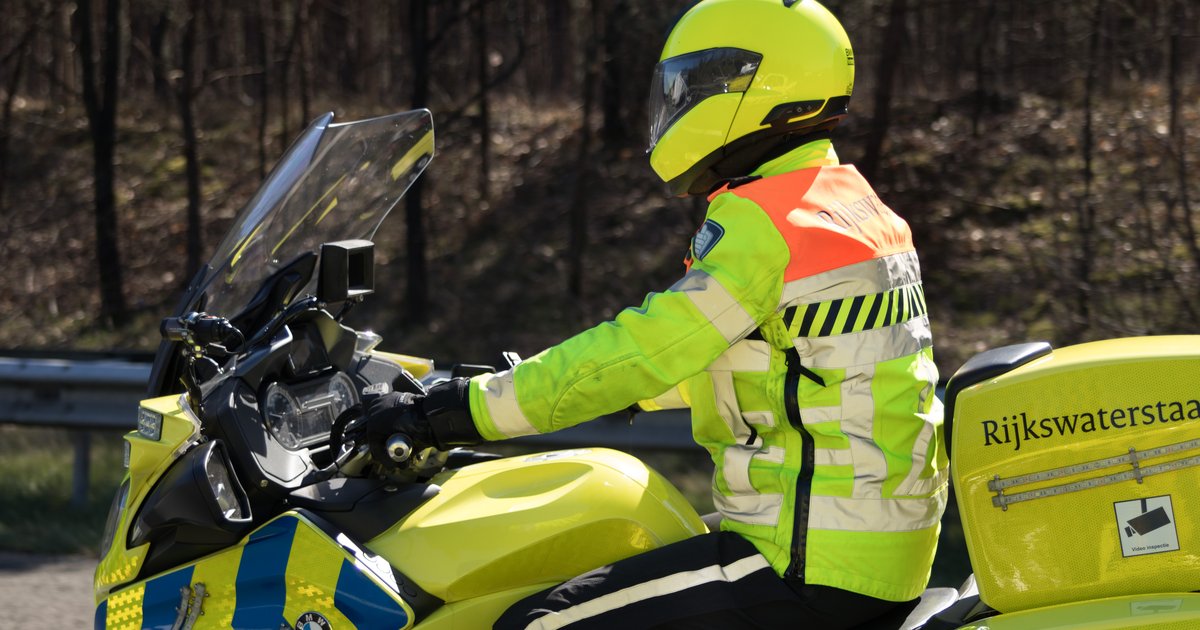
column 399, row 448
column 172, row 329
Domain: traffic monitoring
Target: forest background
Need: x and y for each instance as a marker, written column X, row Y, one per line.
column 1041, row 151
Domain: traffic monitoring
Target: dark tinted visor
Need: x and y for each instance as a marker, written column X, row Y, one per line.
column 681, row 82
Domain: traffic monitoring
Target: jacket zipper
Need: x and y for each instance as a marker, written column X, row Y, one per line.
column 791, row 401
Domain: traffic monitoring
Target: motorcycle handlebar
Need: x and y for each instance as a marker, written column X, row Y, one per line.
column 399, row 448
column 199, row 328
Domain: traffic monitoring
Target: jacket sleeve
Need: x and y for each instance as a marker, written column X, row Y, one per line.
column 734, row 284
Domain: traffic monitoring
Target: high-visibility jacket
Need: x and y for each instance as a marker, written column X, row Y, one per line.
column 800, row 340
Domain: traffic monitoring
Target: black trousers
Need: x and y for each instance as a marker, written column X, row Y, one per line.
column 715, row 580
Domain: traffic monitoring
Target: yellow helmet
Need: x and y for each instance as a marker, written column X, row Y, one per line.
column 742, row 81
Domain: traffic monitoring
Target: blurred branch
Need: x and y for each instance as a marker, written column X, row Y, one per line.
column 499, row 78
column 449, row 23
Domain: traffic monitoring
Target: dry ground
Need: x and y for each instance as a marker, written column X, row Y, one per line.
column 49, row 592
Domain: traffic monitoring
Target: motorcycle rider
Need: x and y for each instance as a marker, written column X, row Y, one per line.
column 798, row 336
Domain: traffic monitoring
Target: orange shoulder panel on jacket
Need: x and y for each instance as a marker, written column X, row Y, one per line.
column 829, row 216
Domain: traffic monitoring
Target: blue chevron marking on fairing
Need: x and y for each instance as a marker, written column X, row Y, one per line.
column 160, row 603
column 365, row 603
column 261, row 578
column 101, row 616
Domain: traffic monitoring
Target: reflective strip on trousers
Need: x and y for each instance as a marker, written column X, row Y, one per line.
column 654, row 588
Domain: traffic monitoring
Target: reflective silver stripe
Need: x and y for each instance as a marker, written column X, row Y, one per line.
column 747, row 355
column 867, row 347
column 717, row 305
column 736, row 464
column 761, row 418
column 725, row 397
column 773, row 454
column 671, row 399
column 833, row 457
column 875, row 515
column 872, row 276
column 929, row 410
column 501, row 397
column 858, row 424
column 751, row 509
column 815, row 415
column 913, row 484
column 736, row 467
column 673, row 583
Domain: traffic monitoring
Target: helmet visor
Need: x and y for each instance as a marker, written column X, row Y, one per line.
column 681, row 82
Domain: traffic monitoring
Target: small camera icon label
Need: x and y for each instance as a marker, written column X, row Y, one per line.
column 1146, row 526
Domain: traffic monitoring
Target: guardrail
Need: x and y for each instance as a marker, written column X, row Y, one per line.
column 101, row 393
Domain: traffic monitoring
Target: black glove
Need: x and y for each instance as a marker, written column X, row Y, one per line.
column 441, row 418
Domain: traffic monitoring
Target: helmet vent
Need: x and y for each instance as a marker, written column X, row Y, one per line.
column 789, row 3
column 784, row 112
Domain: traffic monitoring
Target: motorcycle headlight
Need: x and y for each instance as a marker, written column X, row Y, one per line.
column 199, row 498
column 227, row 494
column 114, row 517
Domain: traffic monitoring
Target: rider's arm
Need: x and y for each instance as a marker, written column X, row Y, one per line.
column 733, row 285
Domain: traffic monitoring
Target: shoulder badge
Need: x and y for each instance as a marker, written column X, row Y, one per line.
column 706, row 239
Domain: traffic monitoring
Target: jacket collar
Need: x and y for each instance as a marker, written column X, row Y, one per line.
column 809, row 155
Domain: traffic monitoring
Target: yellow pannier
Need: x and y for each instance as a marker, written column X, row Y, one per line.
column 1077, row 470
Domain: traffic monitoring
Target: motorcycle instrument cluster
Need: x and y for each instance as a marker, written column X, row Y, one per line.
column 302, row 414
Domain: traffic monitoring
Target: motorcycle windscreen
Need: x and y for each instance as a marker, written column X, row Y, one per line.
column 337, row 182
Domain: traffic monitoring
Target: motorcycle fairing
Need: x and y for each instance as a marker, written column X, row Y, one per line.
column 286, row 568
column 148, row 459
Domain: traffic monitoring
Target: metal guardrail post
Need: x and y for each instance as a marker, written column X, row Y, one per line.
column 80, row 474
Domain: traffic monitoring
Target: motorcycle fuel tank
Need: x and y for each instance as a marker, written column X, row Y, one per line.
column 536, row 519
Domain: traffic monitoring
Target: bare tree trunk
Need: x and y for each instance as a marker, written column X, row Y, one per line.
column 158, row 38
column 186, row 96
column 1178, row 132
column 262, row 51
column 558, row 18
column 285, row 66
column 981, row 68
column 100, row 101
column 416, row 304
column 305, row 61
column 889, row 58
column 579, row 215
column 1086, row 211
column 19, row 54
column 613, row 129
column 484, row 124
